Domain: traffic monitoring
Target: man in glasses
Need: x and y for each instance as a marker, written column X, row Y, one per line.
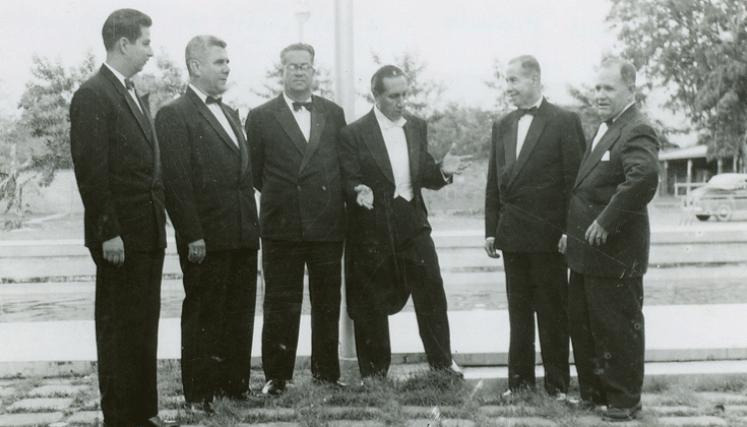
column 293, row 141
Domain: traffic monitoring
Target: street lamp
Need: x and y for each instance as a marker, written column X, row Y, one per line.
column 302, row 11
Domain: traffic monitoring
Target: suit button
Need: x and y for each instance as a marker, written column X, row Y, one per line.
column 324, row 188
column 299, row 188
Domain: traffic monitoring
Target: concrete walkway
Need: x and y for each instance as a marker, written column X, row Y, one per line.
column 674, row 333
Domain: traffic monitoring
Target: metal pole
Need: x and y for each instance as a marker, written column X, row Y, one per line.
column 345, row 97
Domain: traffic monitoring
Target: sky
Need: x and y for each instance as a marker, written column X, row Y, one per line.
column 459, row 40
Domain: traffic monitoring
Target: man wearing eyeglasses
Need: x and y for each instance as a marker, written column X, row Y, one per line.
column 293, row 141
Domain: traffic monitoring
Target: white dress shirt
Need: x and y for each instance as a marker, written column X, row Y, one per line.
column 399, row 157
column 303, row 117
column 523, row 127
column 218, row 112
column 122, row 79
column 603, row 128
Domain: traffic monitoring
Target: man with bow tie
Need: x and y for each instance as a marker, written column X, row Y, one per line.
column 535, row 155
column 607, row 247
column 294, row 139
column 210, row 199
column 390, row 254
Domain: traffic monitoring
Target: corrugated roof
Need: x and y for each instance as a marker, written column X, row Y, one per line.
column 694, row 152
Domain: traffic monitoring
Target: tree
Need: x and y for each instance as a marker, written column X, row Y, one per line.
column 698, row 49
column 423, row 96
column 272, row 86
column 467, row 128
column 498, row 83
column 163, row 87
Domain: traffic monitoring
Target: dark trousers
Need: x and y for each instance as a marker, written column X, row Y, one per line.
column 217, row 323
column 424, row 282
column 607, row 331
column 537, row 283
column 128, row 305
column 283, row 267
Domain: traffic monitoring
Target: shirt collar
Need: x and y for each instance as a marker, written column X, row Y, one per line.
column 384, row 121
column 200, row 94
column 539, row 102
column 290, row 101
column 117, row 74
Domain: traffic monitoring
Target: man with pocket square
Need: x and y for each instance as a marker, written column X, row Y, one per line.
column 607, row 247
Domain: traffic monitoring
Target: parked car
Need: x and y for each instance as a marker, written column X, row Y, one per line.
column 722, row 196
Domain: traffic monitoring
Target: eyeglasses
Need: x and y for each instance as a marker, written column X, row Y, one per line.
column 306, row 68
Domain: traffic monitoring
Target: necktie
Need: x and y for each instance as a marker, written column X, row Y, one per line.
column 524, row 111
column 213, row 100
column 129, row 85
column 297, row 105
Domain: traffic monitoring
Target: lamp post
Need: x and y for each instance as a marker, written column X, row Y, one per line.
column 302, row 11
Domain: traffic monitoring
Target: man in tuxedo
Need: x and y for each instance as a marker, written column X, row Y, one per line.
column 210, row 200
column 117, row 166
column 390, row 253
column 293, row 139
column 534, row 159
column 607, row 247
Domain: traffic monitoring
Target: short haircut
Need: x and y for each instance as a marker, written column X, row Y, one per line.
column 387, row 71
column 124, row 23
column 627, row 69
column 297, row 46
column 529, row 64
column 198, row 47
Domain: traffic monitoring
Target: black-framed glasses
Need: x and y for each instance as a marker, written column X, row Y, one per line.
column 306, row 68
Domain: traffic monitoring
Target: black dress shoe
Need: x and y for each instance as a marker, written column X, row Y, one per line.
column 616, row 415
column 333, row 383
column 158, row 422
column 274, row 387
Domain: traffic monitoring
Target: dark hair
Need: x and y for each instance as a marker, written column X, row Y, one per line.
column 124, row 23
column 627, row 69
column 297, row 46
column 377, row 81
column 197, row 47
column 528, row 63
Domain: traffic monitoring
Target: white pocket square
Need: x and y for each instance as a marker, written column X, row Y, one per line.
column 606, row 156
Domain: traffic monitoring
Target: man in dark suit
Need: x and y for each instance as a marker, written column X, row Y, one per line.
column 390, row 253
column 117, row 166
column 607, row 247
column 210, row 200
column 293, row 139
column 534, row 159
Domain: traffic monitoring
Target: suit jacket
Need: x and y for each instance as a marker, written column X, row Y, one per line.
column 615, row 183
column 300, row 181
column 117, row 165
column 208, row 178
column 526, row 199
column 371, row 236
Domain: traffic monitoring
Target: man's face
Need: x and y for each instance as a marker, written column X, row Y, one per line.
column 523, row 87
column 391, row 101
column 298, row 73
column 140, row 51
column 611, row 93
column 213, row 71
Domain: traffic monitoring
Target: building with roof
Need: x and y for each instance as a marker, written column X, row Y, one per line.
column 686, row 168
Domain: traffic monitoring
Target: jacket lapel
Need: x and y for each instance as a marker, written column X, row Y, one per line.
column 413, row 148
column 509, row 142
column 318, row 119
column 535, row 130
column 289, row 124
column 140, row 115
column 374, row 139
column 233, row 119
column 210, row 118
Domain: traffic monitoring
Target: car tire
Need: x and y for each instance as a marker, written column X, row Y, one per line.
column 723, row 212
column 702, row 217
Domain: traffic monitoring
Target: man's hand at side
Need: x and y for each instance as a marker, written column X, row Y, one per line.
column 596, row 235
column 114, row 251
column 490, row 248
column 365, row 196
column 197, row 251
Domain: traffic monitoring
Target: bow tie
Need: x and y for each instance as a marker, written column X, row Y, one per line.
column 129, row 84
column 297, row 105
column 212, row 100
column 524, row 111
